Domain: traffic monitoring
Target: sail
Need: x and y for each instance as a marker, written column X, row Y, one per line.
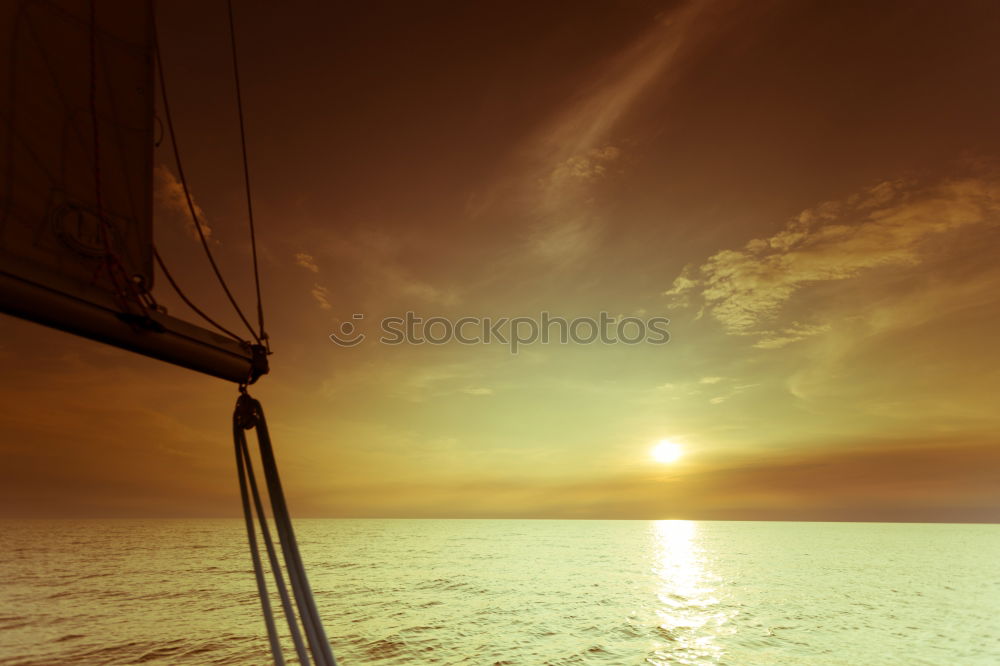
column 77, row 141
column 76, row 158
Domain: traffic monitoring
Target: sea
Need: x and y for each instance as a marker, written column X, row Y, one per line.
column 502, row 592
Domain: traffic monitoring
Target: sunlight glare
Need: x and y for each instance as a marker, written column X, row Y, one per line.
column 666, row 451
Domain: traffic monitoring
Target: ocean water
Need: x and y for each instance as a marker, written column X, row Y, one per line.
column 511, row 592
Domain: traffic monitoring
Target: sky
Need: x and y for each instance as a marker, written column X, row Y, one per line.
column 808, row 191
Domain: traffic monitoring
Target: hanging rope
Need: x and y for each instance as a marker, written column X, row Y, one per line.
column 249, row 415
column 246, row 172
column 272, row 556
column 258, row 569
column 187, row 192
column 187, row 301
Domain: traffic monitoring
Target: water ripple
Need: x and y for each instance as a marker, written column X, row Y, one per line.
column 511, row 592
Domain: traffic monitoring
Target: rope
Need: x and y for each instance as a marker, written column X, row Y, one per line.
column 187, row 301
column 250, row 415
column 272, row 556
column 258, row 570
column 318, row 642
column 246, row 170
column 187, row 192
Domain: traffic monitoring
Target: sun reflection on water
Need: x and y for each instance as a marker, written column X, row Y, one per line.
column 689, row 614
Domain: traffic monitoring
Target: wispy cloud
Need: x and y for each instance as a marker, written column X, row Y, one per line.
column 169, row 198
column 622, row 81
column 575, row 151
column 889, row 225
column 306, row 261
column 797, row 331
column 949, row 481
column 581, row 169
column 566, row 228
column 437, row 380
column 322, row 296
column 375, row 258
column 680, row 290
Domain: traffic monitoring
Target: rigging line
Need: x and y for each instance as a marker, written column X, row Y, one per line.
column 272, row 556
column 319, row 644
column 187, row 301
column 187, row 192
column 239, row 441
column 246, row 169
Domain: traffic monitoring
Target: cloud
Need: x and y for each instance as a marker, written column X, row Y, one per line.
column 437, row 380
column 794, row 333
column 169, row 197
column 947, row 481
column 889, row 225
column 380, row 377
column 375, row 258
column 419, row 289
column 584, row 168
column 679, row 291
column 620, row 83
column 322, row 296
column 563, row 240
column 567, row 226
column 731, row 390
column 306, row 261
column 573, row 152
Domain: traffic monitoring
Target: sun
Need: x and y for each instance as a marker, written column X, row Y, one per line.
column 666, row 452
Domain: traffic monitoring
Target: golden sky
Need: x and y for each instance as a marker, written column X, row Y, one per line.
column 810, row 192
